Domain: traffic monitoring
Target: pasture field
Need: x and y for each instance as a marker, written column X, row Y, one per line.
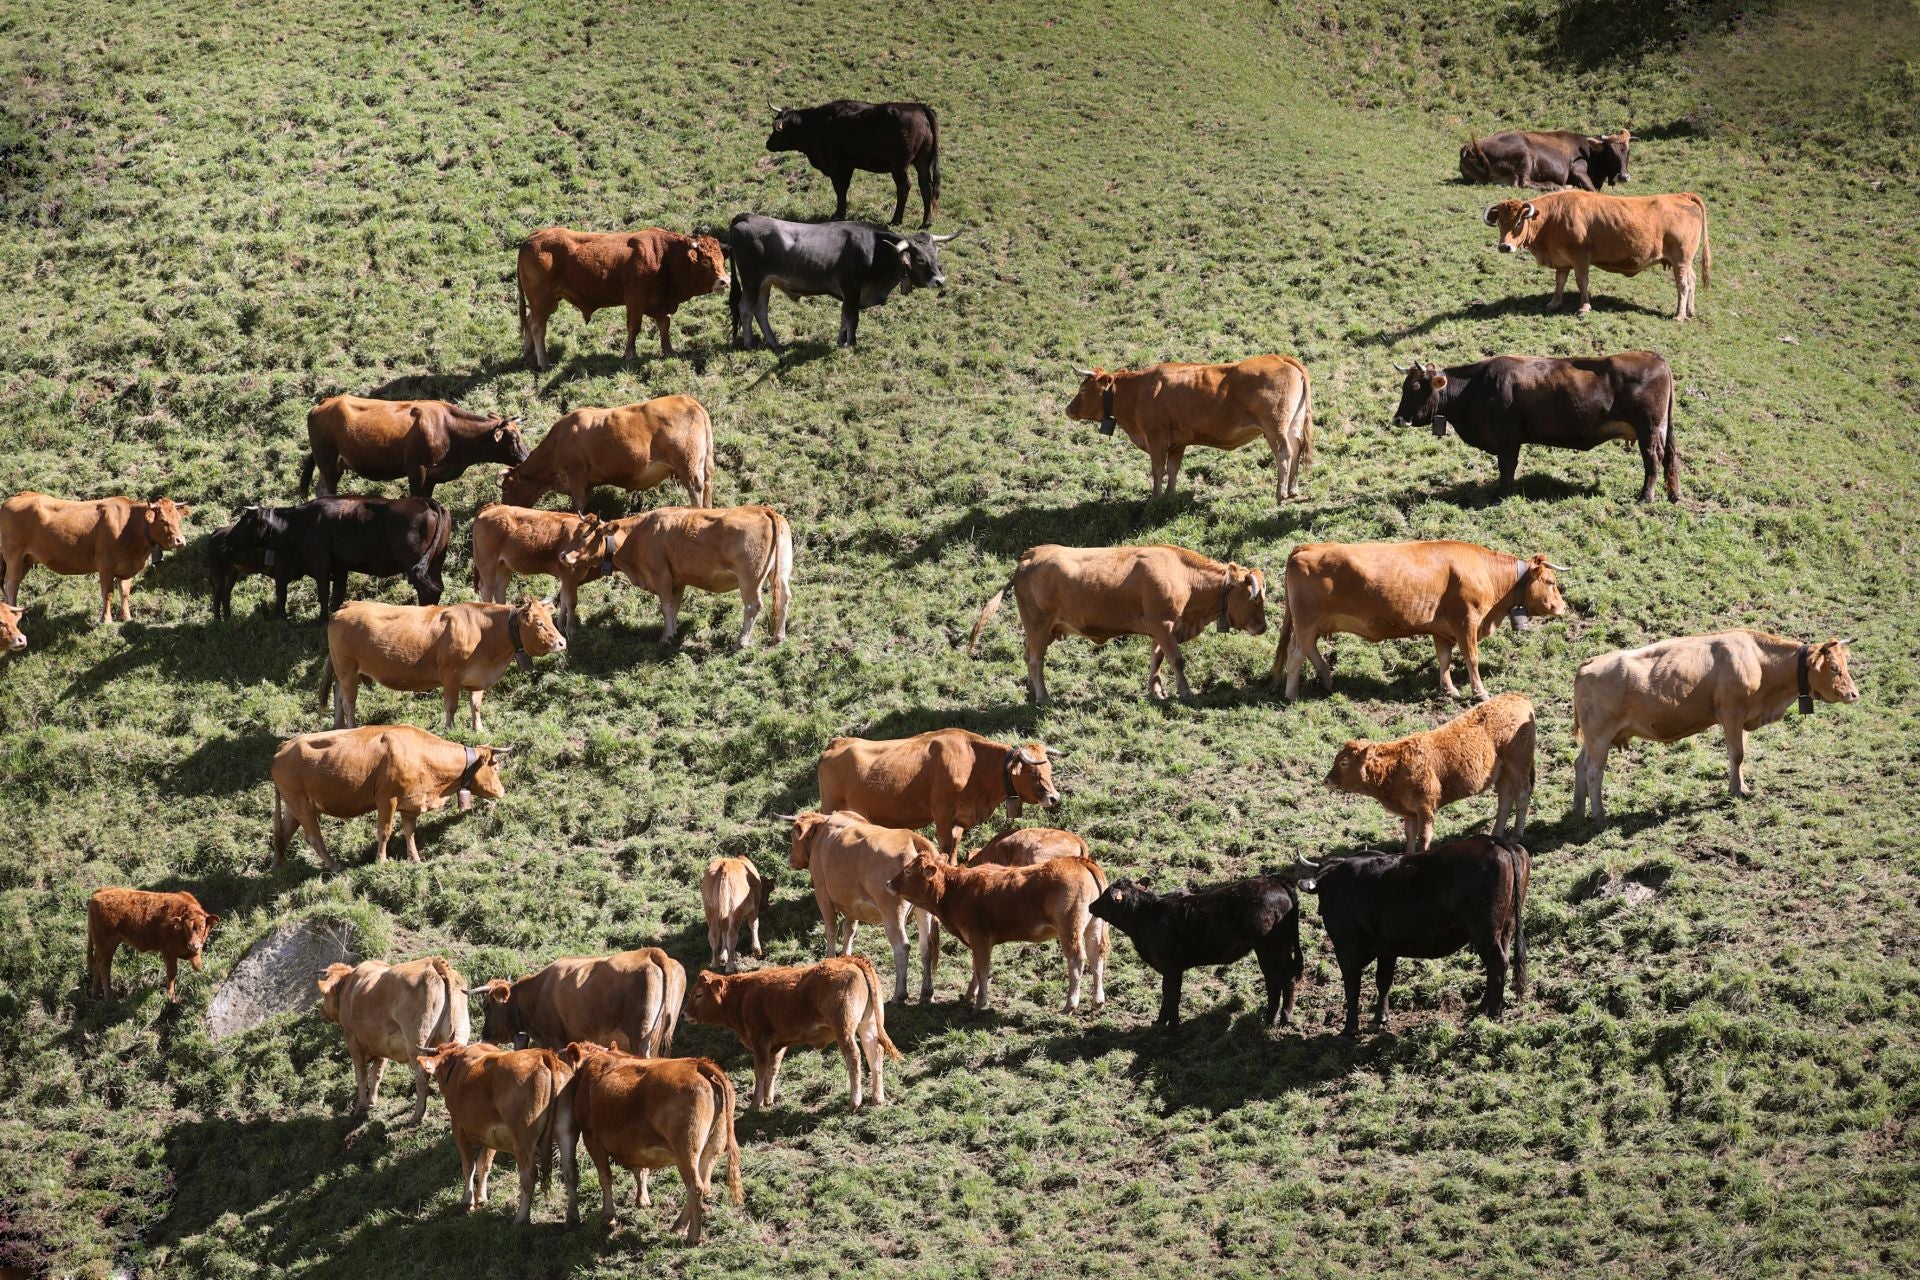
column 214, row 214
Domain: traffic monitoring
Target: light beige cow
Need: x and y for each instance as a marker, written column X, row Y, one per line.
column 851, row 861
column 394, row 1013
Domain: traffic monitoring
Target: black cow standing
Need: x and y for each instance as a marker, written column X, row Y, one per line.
column 1179, row 931
column 856, row 262
column 327, row 539
column 881, row 137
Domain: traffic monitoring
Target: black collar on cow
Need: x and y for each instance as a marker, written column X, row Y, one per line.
column 1806, row 685
column 465, row 780
column 606, row 559
column 1225, row 591
column 1006, row 772
column 1517, row 616
column 520, row 654
column 1107, row 422
column 157, row 554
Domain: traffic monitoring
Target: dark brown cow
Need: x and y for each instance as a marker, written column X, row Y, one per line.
column 1547, row 161
column 885, row 137
column 950, row 779
column 424, row 442
column 110, row 538
column 649, row 272
column 173, row 924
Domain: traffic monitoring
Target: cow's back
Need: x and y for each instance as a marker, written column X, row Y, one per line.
column 884, row 782
column 67, row 537
column 1667, row 690
column 394, row 642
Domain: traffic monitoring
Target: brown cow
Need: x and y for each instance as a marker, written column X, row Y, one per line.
column 851, row 863
column 111, row 538
column 1168, row 594
column 629, row 1001
column 645, row 1114
column 380, row 768
column 1548, row 160
column 416, row 648
column 635, row 447
column 173, row 924
column 501, row 1100
column 649, row 272
column 1165, row 409
column 509, row 540
column 1027, row 847
column 1576, row 230
column 951, row 779
column 12, row 638
column 835, row 1001
column 394, row 1013
column 424, row 442
column 1673, row 689
column 1455, row 592
column 1490, row 745
column 986, row 906
column 734, row 896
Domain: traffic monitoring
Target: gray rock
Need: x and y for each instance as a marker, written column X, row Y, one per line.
column 276, row 975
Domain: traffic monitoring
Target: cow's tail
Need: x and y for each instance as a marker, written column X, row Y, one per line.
column 1706, row 245
column 280, row 832
column 1303, row 417
column 706, row 478
column 987, row 612
column 459, row 1024
column 733, row 294
column 674, row 997
column 1514, row 867
column 546, row 1142
column 1103, row 936
column 436, row 548
column 776, row 575
column 326, row 679
column 306, row 470
column 723, row 1105
column 1670, row 454
column 933, row 123
column 1286, row 625
column 520, row 296
column 877, row 1006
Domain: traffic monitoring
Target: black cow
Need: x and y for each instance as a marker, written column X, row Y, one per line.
column 1179, row 931
column 1470, row 892
column 1500, row 404
column 1547, row 161
column 885, row 138
column 856, row 262
column 327, row 539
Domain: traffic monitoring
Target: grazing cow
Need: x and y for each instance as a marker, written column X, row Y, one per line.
column 1175, row 932
column 1168, row 594
column 650, row 273
column 1547, row 161
column 327, row 539
column 1470, row 892
column 509, row 540
column 112, row 539
column 1455, row 592
column 886, row 137
column 417, row 648
column 835, row 1001
column 1739, row 680
column 668, row 549
column 173, row 924
column 642, row 1115
column 501, row 1100
column 1500, row 404
column 986, row 906
column 424, row 442
column 629, row 1000
column 394, row 1013
column 1028, row 846
column 851, row 863
column 856, row 262
column 1490, row 745
column 1576, row 230
column 1165, row 409
column 378, row 768
column 951, row 779
column 12, row 638
column 634, row 447
column 734, row 896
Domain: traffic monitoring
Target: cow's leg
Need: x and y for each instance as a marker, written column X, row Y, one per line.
column 1522, row 794
column 528, row 1166
column 1094, row 940
column 173, row 968
column 1580, row 278
column 1037, row 642
column 309, row 820
column 1321, row 665
column 384, row 809
column 1157, row 461
column 359, row 1058
column 696, row 1188
column 1493, row 1002
column 929, row 191
column 774, row 1059
column 483, row 1166
column 1169, row 644
column 468, row 1168
column 766, row 326
column 473, row 710
column 899, row 196
column 634, row 319
column 1509, row 460
column 1683, row 282
column 376, row 1068
column 1383, row 981
column 10, row 582
column 1073, row 950
column 106, row 597
column 1176, row 454
column 827, row 917
column 419, row 1092
column 1352, row 972
column 849, row 322
column 539, row 319
column 1470, row 653
column 875, row 1055
column 850, row 1054
column 406, row 825
column 603, row 1167
column 450, row 697
column 1559, row 289
column 1443, row 658
column 1649, row 463
column 643, row 1187
column 1503, row 802
column 1275, row 954
column 846, row 942
column 1423, row 832
column 714, row 948
column 982, row 966
column 100, row 964
column 749, row 612
column 761, row 1064
column 840, row 182
column 896, row 928
column 929, row 955
column 670, row 610
column 754, row 929
column 126, row 599
column 1736, row 732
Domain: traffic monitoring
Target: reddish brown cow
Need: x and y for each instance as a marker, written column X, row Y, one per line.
column 951, row 779
column 501, row 1100
column 509, row 540
column 416, row 648
column 1413, row 777
column 173, row 924
column 649, row 272
column 110, row 538
column 835, row 1001
column 12, row 638
column 1576, row 230
column 424, row 442
column 635, row 447
column 1028, row 846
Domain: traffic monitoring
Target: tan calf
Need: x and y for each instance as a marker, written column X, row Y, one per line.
column 628, row 1001
column 1490, row 745
column 851, row 863
column 668, row 549
column 509, row 540
column 501, row 1100
column 417, row 648
column 173, row 924
column 394, row 1013
column 1576, row 230
column 634, row 447
column 833, row 1002
column 951, row 779
column 1028, row 846
column 112, row 539
column 734, row 895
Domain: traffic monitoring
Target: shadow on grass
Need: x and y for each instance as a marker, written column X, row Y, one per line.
column 1516, row 305
column 1473, row 493
column 445, row 386
column 251, row 651
column 1095, row 522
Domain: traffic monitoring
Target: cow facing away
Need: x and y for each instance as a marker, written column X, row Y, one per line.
column 1547, row 161
column 112, row 539
column 628, row 1001
column 1166, row 409
column 1673, row 689
column 845, row 135
column 950, row 779
column 417, row 648
column 1577, row 230
column 649, row 272
column 394, row 1013
column 1175, row 932
column 634, row 447
column 1026, row 846
column 424, row 442
column 733, row 896
column 856, row 262
column 326, row 540
column 1490, row 745
column 852, row 864
column 833, row 1002
column 12, row 638
column 174, row 925
column 509, row 540
column 1168, row 594
column 501, row 1100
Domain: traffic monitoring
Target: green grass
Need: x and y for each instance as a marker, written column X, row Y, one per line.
column 215, row 215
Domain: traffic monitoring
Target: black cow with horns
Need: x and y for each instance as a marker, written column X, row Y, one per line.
column 885, row 137
column 857, row 262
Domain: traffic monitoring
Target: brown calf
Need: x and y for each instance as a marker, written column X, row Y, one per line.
column 834, row 1001
column 951, row 779
column 1490, row 745
column 12, row 638
column 509, row 540
column 668, row 549
column 394, row 1013
column 173, row 924
column 634, row 447
column 1028, row 846
column 501, row 1100
column 649, row 272
column 734, row 895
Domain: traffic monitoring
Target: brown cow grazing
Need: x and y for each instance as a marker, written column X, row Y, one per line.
column 1028, row 846
column 629, row 1000
column 835, row 1001
column 509, row 540
column 1576, row 230
column 668, row 549
column 12, row 638
column 635, row 447
column 1547, row 161
column 173, row 924
column 1455, row 592
column 645, row 1114
column 649, row 272
column 501, row 1100
column 112, row 539
column 734, row 896
column 394, row 1013
column 1168, row 594
column 986, row 906
column 424, row 442
column 951, row 779
column 417, row 648
column 379, row 768
column 851, row 863
column 1673, row 689
column 1490, row 745
column 1165, row 409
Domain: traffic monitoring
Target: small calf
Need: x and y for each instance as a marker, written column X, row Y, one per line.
column 173, row 924
column 1028, row 846
column 734, row 895
column 1175, row 932
column 501, row 1100
column 1412, row 777
column 835, row 1001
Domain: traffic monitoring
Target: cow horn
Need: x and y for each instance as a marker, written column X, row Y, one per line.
column 1557, row 568
column 1397, row 368
column 1055, row 753
column 477, row 991
column 945, row 238
column 501, row 753
column 1847, row 643
column 1488, row 216
column 1085, row 373
column 1027, row 757
column 786, row 817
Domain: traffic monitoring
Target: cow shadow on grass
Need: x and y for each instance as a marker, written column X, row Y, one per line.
column 445, row 386
column 1519, row 304
column 222, row 766
column 1471, row 494
column 1093, row 522
column 1011, row 721
column 260, row 652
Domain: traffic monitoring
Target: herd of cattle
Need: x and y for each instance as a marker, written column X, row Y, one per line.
column 579, row 1052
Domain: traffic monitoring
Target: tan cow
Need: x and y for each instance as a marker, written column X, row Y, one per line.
column 1165, row 409
column 1490, row 745
column 950, row 779
column 12, row 638
column 173, row 924
column 1455, row 592
column 635, row 447
column 112, row 539
column 509, row 540
column 1739, row 680
column 417, row 648
column 836, row 1001
column 1576, row 230
column 380, row 768
column 394, row 1013
column 644, row 1114
column 424, row 442
column 649, row 272
column 986, row 906
column 628, row 1001
column 851, row 863
column 734, row 896
column 501, row 1100
column 1168, row 594
column 1028, row 846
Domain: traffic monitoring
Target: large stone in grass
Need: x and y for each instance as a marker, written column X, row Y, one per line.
column 276, row 975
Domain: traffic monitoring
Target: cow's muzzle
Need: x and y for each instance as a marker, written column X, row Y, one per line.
column 1504, row 247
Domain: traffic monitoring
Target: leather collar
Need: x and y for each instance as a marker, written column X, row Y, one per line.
column 465, row 781
column 1225, row 592
column 1006, row 772
column 606, row 558
column 1806, row 685
column 1107, row 421
column 520, row 654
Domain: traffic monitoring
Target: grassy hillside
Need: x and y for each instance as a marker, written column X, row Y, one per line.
column 215, row 214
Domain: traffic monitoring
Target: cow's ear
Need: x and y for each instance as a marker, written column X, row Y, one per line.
column 499, row 433
column 1439, row 382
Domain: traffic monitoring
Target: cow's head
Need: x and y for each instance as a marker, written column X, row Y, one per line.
column 1120, row 905
column 539, row 633
column 1029, row 776
column 1356, row 768
column 789, row 130
column 1247, row 600
column 484, row 780
column 1420, row 396
column 332, row 981
column 1607, row 158
column 694, row 267
column 919, row 260
column 804, row 825
column 1827, row 673
column 192, row 923
column 1517, row 220
column 1089, row 403
column 440, row 1061
column 576, row 1054
column 162, row 519
column 497, row 1022
column 704, row 998
column 1540, row 588
column 922, row 881
column 12, row 638
column 519, row 489
column 503, row 443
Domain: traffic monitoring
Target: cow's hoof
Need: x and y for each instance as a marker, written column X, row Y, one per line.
column 1583, row 311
